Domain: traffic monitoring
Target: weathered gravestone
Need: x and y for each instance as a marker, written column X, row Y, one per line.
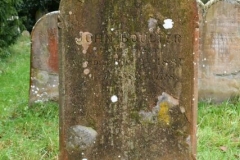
column 219, row 65
column 127, row 80
column 44, row 59
column 201, row 11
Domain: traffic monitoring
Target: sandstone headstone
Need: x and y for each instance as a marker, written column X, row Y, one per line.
column 25, row 33
column 201, row 11
column 127, row 79
column 44, row 60
column 219, row 64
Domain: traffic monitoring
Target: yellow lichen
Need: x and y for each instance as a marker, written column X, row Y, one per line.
column 163, row 114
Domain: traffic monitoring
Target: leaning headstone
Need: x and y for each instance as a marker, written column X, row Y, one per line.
column 219, row 65
column 127, row 80
column 44, row 60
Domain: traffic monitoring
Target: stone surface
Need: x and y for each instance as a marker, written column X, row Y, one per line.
column 44, row 60
column 219, row 64
column 127, row 71
column 80, row 138
column 25, row 33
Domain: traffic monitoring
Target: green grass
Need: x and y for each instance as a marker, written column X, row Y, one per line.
column 219, row 127
column 26, row 133
column 31, row 133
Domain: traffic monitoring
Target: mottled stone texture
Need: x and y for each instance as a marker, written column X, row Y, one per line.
column 129, row 79
column 44, row 60
column 219, row 64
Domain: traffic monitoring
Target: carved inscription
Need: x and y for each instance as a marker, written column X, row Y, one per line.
column 127, row 73
column 170, row 60
column 219, row 63
column 222, row 37
column 86, row 37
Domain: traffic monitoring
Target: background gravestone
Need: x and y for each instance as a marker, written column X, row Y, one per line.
column 201, row 11
column 44, row 59
column 127, row 79
column 219, row 65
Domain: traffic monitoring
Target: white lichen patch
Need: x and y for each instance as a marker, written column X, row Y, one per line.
column 85, row 40
column 188, row 140
column 42, row 77
column 152, row 24
column 182, row 109
column 168, row 24
column 173, row 101
column 114, row 98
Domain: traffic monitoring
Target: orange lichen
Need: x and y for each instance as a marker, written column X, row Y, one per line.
column 163, row 114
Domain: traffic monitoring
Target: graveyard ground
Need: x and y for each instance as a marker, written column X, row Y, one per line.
column 31, row 133
column 25, row 133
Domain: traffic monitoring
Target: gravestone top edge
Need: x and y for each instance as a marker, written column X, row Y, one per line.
column 212, row 2
column 42, row 18
column 200, row 3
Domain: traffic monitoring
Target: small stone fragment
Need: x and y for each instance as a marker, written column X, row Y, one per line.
column 80, row 138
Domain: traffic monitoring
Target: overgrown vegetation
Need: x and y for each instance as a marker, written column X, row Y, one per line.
column 9, row 24
column 31, row 133
column 205, row 1
column 26, row 133
column 219, row 130
column 28, row 10
column 18, row 15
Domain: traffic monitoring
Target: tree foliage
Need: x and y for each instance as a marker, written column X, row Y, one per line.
column 27, row 10
column 9, row 22
column 205, row 1
column 17, row 15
